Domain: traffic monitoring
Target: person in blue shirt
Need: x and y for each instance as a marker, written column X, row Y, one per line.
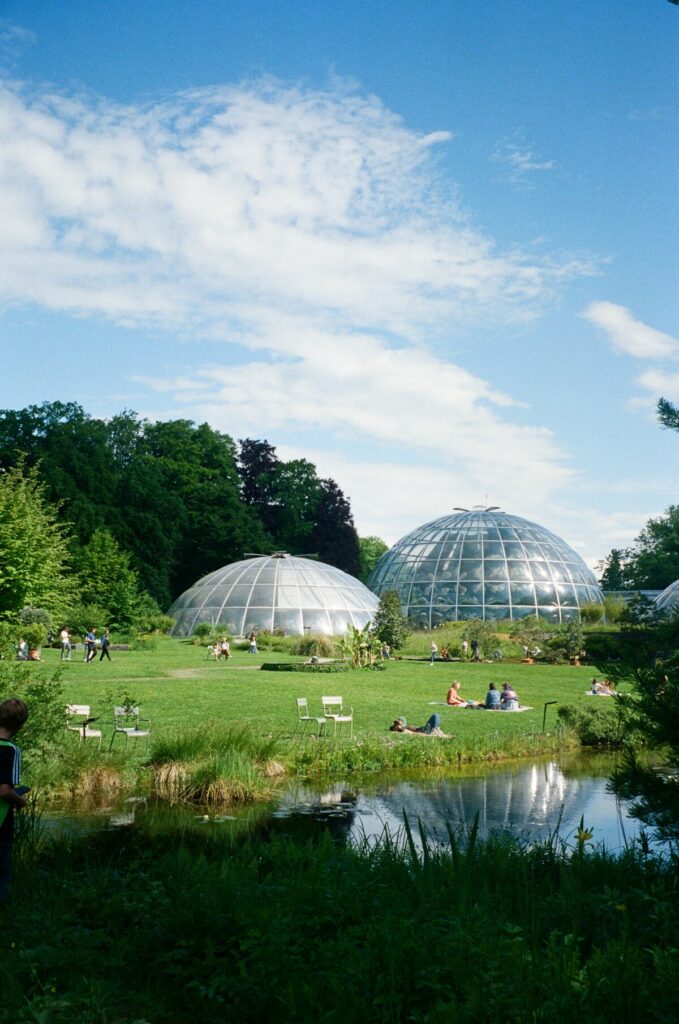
column 492, row 702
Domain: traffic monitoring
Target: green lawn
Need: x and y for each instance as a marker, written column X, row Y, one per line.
column 176, row 685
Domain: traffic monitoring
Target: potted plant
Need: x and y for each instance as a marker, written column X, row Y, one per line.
column 35, row 635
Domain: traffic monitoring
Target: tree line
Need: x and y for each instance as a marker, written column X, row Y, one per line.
column 147, row 508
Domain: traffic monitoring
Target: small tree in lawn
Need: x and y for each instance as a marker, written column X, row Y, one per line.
column 391, row 626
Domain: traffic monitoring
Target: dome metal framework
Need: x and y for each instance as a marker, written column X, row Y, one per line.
column 668, row 600
column 275, row 592
column 486, row 564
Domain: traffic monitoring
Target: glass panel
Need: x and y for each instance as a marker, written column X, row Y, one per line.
column 522, row 613
column 445, row 612
column 267, row 575
column 471, row 549
column 258, row 618
column 316, row 621
column 491, row 533
column 444, row 593
column 470, row 570
column 237, row 595
column 339, row 622
column 287, row 620
column 468, row 613
column 286, row 597
column 496, row 593
column 519, row 571
column 540, row 571
column 559, row 571
column 514, row 550
column 470, row 593
column 532, row 550
column 493, row 549
column 566, row 594
column 262, row 596
column 232, row 620
column 498, row 613
column 523, row 593
column 549, row 615
column 545, row 593
column 496, row 570
column 507, row 533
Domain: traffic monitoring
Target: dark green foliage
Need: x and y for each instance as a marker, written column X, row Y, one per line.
column 42, row 691
column 596, row 725
column 668, row 414
column 172, row 495
column 390, row 625
column 292, row 929
column 614, row 574
column 326, row 668
column 648, row 657
column 334, row 537
column 371, row 550
column 34, row 556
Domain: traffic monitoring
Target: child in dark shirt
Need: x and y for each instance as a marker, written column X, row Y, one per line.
column 13, row 714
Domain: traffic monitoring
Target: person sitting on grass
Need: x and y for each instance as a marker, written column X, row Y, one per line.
column 509, row 700
column 455, row 701
column 432, row 727
column 492, row 701
column 606, row 689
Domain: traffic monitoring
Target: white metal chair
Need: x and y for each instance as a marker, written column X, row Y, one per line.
column 128, row 723
column 78, row 720
column 334, row 710
column 304, row 717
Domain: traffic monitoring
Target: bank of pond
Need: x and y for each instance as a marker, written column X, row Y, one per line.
column 492, row 895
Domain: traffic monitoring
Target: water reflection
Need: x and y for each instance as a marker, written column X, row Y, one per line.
column 529, row 802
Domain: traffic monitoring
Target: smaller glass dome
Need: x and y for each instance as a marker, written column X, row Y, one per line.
column 275, row 592
column 668, row 601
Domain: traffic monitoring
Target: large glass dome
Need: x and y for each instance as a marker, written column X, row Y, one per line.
column 668, row 601
column 484, row 564
column 278, row 591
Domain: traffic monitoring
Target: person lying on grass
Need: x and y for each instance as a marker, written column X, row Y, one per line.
column 455, row 701
column 432, row 727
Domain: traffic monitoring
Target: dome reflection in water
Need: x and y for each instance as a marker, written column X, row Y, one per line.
column 528, row 802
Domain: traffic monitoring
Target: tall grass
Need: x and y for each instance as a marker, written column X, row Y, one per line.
column 173, row 928
column 217, row 763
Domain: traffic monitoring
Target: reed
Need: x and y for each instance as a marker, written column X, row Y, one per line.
column 169, row 927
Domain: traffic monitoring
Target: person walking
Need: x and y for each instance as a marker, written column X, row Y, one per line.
column 90, row 646
column 105, row 644
column 65, row 638
column 465, row 649
column 434, row 651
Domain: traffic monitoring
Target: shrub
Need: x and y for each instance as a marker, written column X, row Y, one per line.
column 290, row 666
column 597, row 725
column 203, row 630
column 614, row 608
column 32, row 616
column 314, row 644
column 591, row 612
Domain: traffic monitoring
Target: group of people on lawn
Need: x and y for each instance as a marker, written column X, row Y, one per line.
column 506, row 699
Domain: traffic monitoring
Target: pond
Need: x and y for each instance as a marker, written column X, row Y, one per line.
column 527, row 800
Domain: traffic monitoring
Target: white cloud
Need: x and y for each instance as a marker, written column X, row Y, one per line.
column 520, row 158
column 312, row 229
column 630, row 336
column 660, row 384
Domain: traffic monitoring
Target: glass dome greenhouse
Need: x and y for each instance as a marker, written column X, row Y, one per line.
column 484, row 564
column 668, row 601
column 278, row 591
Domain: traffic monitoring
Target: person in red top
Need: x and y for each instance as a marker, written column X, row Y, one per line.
column 13, row 714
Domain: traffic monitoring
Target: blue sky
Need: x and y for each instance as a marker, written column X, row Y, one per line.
column 430, row 246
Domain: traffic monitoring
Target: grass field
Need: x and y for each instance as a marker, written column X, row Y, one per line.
column 177, row 685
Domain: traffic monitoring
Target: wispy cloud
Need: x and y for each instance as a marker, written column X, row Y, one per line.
column 647, row 114
column 311, row 228
column 660, row 384
column 630, row 336
column 520, row 158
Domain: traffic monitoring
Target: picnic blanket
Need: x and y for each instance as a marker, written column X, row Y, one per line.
column 442, row 703
column 588, row 693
